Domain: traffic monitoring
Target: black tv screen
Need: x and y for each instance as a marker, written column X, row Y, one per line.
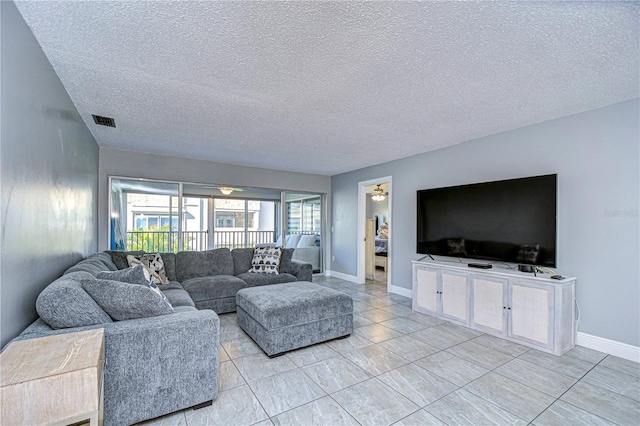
column 511, row 221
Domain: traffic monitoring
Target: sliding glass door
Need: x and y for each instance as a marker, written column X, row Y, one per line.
column 242, row 222
column 145, row 215
column 303, row 222
column 172, row 216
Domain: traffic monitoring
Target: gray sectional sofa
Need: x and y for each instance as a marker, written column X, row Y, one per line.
column 159, row 364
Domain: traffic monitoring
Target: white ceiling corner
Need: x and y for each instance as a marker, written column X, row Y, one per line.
column 329, row 87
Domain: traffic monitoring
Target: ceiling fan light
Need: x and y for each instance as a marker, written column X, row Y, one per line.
column 378, row 194
column 226, row 190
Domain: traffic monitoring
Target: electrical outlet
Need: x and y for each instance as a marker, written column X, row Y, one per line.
column 333, row 258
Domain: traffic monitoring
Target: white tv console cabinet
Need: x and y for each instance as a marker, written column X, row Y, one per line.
column 534, row 311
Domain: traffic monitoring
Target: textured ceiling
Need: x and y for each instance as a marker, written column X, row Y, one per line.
column 329, row 87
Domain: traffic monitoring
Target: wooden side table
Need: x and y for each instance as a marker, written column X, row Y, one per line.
column 53, row 380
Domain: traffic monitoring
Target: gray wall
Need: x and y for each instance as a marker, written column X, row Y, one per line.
column 115, row 162
column 596, row 157
column 49, row 176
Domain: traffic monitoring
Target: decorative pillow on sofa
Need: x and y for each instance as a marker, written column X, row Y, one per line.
column 153, row 263
column 528, row 254
column 64, row 304
column 124, row 301
column 134, row 275
column 455, row 246
column 266, row 260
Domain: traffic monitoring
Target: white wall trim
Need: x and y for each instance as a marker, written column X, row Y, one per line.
column 406, row 292
column 611, row 347
column 342, row 276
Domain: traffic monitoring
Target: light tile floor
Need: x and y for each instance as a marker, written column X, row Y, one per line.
column 403, row 368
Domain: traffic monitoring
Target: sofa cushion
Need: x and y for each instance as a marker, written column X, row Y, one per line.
column 90, row 265
column 169, row 260
column 285, row 261
column 173, row 285
column 213, row 287
column 124, row 301
column 179, row 298
column 241, row 260
column 179, row 309
column 136, row 275
column 192, row 264
column 266, row 260
column 106, row 259
column 64, row 304
column 119, row 258
column 253, row 279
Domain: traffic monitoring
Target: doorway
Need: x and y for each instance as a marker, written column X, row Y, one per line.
column 374, row 250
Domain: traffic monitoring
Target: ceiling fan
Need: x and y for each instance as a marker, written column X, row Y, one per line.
column 225, row 190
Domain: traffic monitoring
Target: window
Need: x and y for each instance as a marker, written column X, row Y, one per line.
column 154, row 221
column 233, row 219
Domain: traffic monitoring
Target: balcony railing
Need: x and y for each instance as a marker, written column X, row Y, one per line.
column 235, row 239
column 167, row 241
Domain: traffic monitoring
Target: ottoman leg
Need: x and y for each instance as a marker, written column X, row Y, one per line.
column 203, row 405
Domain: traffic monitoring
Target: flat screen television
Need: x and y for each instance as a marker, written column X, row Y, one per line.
column 511, row 221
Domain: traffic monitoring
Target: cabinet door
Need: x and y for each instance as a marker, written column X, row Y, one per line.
column 488, row 306
column 531, row 313
column 425, row 290
column 455, row 296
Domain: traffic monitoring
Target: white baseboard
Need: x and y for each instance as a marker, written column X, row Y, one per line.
column 406, row 292
column 342, row 276
column 611, row 347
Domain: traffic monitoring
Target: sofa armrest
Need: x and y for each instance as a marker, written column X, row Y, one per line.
column 156, row 365
column 159, row 365
column 303, row 271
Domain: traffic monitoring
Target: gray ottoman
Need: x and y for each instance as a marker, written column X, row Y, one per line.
column 283, row 317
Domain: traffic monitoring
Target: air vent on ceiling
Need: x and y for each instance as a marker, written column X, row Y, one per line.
column 104, row 121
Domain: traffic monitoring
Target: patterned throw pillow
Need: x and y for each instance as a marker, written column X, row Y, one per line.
column 153, row 263
column 159, row 292
column 266, row 260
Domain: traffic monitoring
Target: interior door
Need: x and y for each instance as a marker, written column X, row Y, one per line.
column 370, row 249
